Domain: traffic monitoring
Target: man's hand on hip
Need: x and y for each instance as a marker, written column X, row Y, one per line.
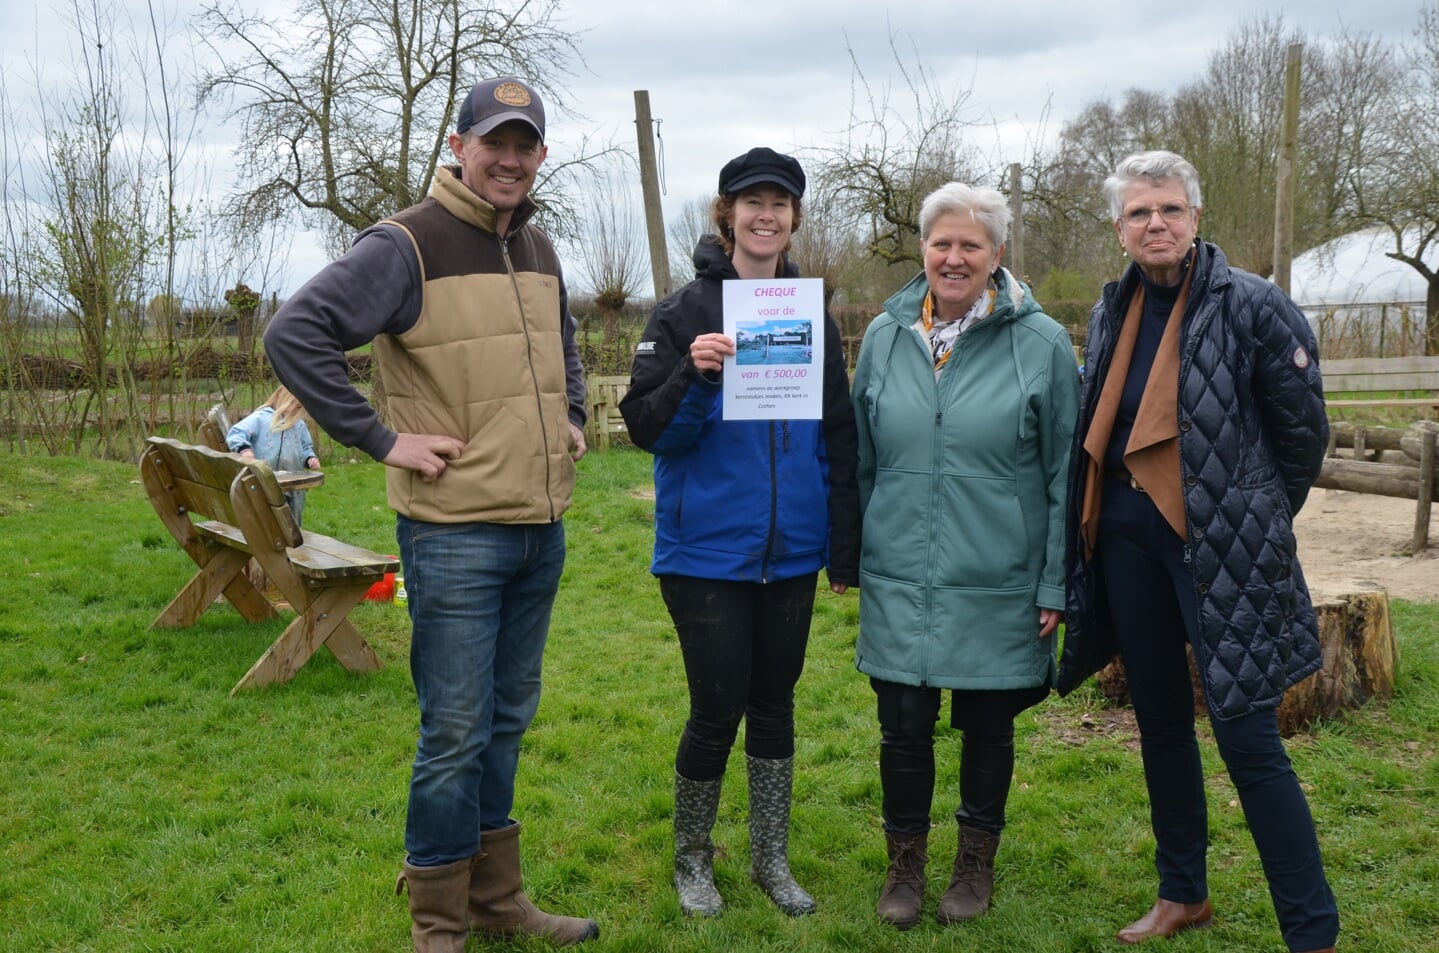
column 426, row 453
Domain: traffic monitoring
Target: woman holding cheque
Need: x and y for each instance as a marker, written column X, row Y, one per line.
column 746, row 514
column 965, row 398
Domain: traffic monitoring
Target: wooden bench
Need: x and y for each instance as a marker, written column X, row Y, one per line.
column 214, row 428
column 223, row 509
column 603, row 395
column 1371, row 375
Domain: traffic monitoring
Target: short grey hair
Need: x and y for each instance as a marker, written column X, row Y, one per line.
column 988, row 207
column 1155, row 167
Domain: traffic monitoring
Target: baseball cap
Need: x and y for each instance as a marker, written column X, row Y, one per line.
column 500, row 100
column 762, row 166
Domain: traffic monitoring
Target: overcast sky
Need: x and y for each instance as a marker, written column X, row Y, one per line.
column 725, row 76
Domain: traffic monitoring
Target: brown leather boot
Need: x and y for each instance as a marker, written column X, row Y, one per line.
column 972, row 884
column 902, row 900
column 437, row 905
column 1167, row 918
column 499, row 907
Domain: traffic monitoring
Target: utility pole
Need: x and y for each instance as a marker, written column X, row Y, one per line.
column 1284, row 183
column 650, row 183
column 1015, row 252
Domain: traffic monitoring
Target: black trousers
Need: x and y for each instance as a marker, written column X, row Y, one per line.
column 743, row 646
column 1155, row 612
column 907, row 715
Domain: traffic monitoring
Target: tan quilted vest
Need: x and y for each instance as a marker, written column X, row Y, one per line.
column 484, row 363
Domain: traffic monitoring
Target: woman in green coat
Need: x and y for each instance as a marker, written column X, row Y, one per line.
column 965, row 395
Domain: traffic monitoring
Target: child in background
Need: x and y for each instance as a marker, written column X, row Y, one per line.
column 276, row 434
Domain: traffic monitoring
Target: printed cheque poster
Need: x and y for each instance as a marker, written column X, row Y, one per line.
column 777, row 372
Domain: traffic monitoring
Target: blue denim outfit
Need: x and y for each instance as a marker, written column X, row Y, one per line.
column 480, row 596
column 288, row 449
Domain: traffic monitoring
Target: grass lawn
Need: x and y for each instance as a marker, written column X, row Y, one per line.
column 143, row 809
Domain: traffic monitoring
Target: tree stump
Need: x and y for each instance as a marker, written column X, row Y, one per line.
column 1356, row 637
column 1361, row 655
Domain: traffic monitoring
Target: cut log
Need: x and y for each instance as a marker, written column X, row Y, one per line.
column 1356, row 638
column 1410, row 440
column 1379, row 479
column 1383, row 479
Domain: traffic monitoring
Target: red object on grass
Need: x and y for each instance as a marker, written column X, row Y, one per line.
column 382, row 591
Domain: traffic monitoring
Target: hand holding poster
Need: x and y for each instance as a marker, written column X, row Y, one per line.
column 777, row 371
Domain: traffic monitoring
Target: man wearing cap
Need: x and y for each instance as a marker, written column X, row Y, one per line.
column 466, row 306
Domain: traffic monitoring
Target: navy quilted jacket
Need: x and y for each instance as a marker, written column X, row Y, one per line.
column 1252, row 437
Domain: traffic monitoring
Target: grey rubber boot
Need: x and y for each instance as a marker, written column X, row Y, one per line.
column 771, row 781
column 438, row 897
column 902, row 899
column 696, row 804
column 973, row 882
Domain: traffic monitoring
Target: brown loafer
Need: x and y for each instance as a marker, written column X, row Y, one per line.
column 1167, row 918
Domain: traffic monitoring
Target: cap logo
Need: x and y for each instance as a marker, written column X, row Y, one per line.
column 512, row 94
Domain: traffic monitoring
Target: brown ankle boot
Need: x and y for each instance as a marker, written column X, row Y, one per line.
column 972, row 883
column 499, row 907
column 437, row 905
column 1167, row 918
column 902, row 900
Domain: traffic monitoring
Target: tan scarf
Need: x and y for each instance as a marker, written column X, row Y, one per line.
column 1152, row 454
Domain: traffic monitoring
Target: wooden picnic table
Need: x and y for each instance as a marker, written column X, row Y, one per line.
column 292, row 481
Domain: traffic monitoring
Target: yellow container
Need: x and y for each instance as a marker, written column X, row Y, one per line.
column 402, row 598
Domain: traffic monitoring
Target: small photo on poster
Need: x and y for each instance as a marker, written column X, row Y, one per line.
column 774, row 342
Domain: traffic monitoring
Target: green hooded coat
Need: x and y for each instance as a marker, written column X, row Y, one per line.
column 963, row 481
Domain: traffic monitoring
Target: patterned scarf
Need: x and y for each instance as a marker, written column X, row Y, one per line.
column 942, row 334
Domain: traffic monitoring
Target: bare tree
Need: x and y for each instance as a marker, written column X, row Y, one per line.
column 1351, row 89
column 1228, row 124
column 18, row 311
column 1399, row 186
column 612, row 246
column 346, row 104
column 98, row 226
column 685, row 232
column 1070, row 243
column 826, row 244
column 899, row 146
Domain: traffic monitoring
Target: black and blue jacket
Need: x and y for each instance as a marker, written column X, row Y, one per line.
column 745, row 501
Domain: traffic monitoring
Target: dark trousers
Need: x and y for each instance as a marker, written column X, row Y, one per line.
column 1155, row 613
column 907, row 714
column 743, row 646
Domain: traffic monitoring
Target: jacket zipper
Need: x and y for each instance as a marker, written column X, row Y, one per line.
column 773, row 502
column 534, row 375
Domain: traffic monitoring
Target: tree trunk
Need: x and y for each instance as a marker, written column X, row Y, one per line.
column 1431, row 317
column 1356, row 637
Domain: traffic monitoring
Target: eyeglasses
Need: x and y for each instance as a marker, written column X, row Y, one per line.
column 1139, row 217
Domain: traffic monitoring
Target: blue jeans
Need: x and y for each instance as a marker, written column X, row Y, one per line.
column 480, row 596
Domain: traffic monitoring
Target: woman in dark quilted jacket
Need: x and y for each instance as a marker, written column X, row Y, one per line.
column 1201, row 428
